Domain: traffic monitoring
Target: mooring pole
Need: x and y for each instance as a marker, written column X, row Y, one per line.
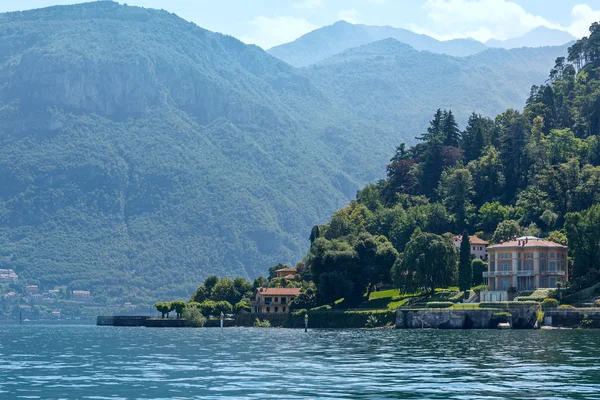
column 305, row 322
column 222, row 317
column 20, row 317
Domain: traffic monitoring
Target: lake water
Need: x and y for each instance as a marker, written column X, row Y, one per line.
column 89, row 362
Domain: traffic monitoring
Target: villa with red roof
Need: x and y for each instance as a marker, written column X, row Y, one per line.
column 525, row 263
column 273, row 300
column 478, row 246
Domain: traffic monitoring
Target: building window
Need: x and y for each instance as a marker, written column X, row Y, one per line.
column 268, row 309
column 276, row 309
column 542, row 255
column 480, row 248
column 505, row 266
column 283, row 309
column 283, row 300
column 268, row 299
column 276, row 299
column 551, row 255
column 552, row 267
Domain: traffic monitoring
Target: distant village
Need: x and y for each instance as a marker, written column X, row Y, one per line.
column 19, row 300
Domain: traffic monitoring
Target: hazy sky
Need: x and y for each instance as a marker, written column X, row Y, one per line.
column 271, row 22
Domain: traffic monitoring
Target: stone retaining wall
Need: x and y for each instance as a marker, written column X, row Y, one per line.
column 523, row 318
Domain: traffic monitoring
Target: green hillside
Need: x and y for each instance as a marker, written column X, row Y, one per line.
column 140, row 153
column 533, row 173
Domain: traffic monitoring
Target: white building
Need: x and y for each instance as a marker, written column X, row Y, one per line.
column 478, row 246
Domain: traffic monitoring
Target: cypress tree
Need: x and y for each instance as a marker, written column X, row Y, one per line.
column 465, row 272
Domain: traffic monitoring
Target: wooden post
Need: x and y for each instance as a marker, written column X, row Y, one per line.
column 305, row 322
column 222, row 317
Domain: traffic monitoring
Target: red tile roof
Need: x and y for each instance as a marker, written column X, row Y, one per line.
column 527, row 244
column 279, row 291
column 286, row 270
column 472, row 239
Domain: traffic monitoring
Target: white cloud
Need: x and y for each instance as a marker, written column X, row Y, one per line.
column 267, row 32
column 309, row 4
column 498, row 19
column 583, row 16
column 349, row 16
column 482, row 19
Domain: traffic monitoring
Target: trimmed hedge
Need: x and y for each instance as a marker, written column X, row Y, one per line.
column 509, row 304
column 549, row 303
column 439, row 304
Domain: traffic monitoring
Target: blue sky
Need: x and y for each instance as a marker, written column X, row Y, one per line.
column 271, row 22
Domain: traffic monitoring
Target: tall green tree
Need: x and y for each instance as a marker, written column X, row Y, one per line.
column 584, row 242
column 428, row 261
column 465, row 273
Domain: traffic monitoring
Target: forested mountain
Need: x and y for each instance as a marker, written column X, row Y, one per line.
column 333, row 39
column 538, row 37
column 140, row 153
column 535, row 172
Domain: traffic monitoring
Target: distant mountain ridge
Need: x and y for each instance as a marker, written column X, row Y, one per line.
column 538, row 37
column 140, row 153
column 333, row 39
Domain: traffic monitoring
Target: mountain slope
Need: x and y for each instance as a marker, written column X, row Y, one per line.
column 140, row 153
column 333, row 39
column 402, row 82
column 538, row 37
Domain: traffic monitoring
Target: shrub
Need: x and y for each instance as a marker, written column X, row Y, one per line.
column 479, row 288
column 208, row 307
column 539, row 317
column 439, row 304
column 194, row 316
column 586, row 322
column 372, row 321
column 565, row 306
column 549, row 303
column 508, row 304
column 265, row 323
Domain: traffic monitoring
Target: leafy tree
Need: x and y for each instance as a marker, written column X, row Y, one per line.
column 200, row 294
column 428, row 261
column 488, row 176
column 558, row 237
column 261, row 281
column 314, row 233
column 208, row 307
column 210, row 282
column 243, row 306
column 375, row 256
column 456, row 189
column 178, row 306
column 582, row 233
column 465, row 272
column 194, row 316
column 225, row 290
column 506, row 230
column 224, row 307
column 491, row 214
column 163, row 307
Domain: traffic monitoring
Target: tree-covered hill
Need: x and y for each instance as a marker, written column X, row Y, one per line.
column 333, row 39
column 140, row 153
column 534, row 173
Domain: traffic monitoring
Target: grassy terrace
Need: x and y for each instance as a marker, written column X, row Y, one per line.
column 392, row 299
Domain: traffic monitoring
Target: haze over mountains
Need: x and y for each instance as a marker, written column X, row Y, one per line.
column 333, row 39
column 140, row 153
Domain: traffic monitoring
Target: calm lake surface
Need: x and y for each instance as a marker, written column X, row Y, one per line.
column 89, row 362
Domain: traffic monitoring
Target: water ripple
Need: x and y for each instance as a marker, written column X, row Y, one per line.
column 89, row 362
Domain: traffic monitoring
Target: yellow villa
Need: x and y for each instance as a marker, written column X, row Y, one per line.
column 525, row 263
column 273, row 300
